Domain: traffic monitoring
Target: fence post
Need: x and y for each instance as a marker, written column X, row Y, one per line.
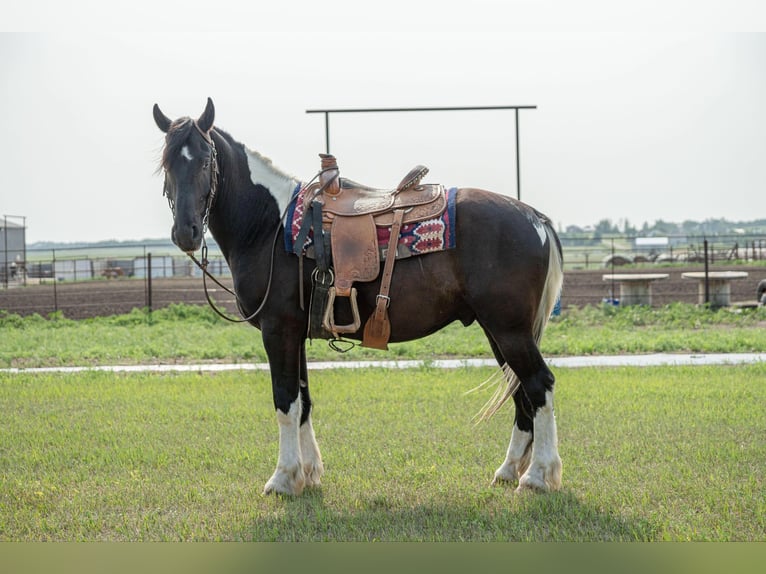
column 55, row 282
column 707, row 284
column 149, row 282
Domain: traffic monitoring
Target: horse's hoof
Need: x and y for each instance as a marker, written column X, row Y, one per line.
column 313, row 474
column 504, row 478
column 531, row 486
column 286, row 483
column 541, row 478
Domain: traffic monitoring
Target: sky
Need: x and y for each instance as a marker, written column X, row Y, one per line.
column 645, row 111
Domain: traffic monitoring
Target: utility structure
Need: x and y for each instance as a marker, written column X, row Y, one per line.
column 13, row 248
column 516, row 109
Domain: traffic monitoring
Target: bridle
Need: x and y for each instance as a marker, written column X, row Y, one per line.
column 204, row 262
column 211, row 195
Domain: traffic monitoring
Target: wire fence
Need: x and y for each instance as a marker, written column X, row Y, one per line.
column 87, row 282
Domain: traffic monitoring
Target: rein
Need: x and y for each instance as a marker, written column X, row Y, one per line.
column 205, row 274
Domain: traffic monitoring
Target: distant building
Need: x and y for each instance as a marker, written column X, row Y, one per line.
column 651, row 242
column 12, row 249
column 657, row 243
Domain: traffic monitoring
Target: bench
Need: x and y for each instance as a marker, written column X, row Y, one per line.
column 635, row 288
column 719, row 285
column 350, row 213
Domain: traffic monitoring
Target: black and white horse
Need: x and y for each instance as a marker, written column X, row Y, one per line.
column 505, row 272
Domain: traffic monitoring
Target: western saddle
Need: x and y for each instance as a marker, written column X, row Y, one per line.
column 345, row 216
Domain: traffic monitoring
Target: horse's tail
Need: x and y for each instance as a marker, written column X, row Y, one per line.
column 506, row 380
column 553, row 282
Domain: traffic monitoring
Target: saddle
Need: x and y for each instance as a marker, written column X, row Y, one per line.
column 349, row 214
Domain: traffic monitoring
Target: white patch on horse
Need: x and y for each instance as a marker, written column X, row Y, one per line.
column 280, row 185
column 540, row 228
column 185, row 153
column 544, row 472
column 288, row 478
column 532, row 218
column 312, row 459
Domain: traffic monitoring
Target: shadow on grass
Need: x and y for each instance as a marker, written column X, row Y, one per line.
column 496, row 516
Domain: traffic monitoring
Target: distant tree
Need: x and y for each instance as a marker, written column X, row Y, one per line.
column 661, row 227
column 606, row 227
column 629, row 229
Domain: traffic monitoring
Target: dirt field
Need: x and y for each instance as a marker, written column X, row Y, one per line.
column 117, row 296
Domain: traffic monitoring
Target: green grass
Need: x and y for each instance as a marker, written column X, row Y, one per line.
column 187, row 333
column 649, row 454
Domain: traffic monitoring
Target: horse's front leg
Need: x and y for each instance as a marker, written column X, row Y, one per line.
column 285, row 364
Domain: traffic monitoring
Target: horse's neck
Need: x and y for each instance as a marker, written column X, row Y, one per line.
column 242, row 214
column 262, row 172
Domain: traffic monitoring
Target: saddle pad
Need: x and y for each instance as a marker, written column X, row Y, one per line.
column 419, row 238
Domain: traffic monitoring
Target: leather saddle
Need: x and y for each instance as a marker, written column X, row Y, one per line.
column 350, row 215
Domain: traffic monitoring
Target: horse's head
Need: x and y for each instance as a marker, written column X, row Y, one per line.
column 190, row 165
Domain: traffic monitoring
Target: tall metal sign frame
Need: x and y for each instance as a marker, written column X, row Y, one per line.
column 328, row 112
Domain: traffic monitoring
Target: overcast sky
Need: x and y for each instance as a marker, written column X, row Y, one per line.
column 642, row 123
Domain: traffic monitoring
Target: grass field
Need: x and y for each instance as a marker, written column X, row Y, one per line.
column 187, row 333
column 649, row 454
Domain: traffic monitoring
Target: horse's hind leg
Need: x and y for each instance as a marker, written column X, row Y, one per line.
column 519, row 453
column 520, row 448
column 537, row 467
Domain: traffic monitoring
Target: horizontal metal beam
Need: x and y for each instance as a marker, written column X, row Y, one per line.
column 435, row 109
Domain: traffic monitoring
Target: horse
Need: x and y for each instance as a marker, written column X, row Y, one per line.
column 505, row 272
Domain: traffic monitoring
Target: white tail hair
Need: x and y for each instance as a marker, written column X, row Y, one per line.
column 505, row 379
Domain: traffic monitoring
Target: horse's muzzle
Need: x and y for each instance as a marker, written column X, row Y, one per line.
column 188, row 238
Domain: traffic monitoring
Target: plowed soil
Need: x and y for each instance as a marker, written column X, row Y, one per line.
column 118, row 296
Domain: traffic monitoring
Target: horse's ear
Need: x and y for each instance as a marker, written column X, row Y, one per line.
column 205, row 121
column 163, row 122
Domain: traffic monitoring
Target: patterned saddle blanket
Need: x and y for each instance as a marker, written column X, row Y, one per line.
column 418, row 238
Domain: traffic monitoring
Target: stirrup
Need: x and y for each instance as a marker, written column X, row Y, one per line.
column 329, row 314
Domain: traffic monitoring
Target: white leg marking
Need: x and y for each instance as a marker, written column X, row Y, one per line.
column 516, row 459
column 544, row 472
column 280, row 185
column 313, row 468
column 288, row 478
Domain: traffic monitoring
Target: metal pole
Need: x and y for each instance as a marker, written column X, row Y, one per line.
column 327, row 132
column 518, row 161
column 149, row 282
column 613, row 297
column 24, row 234
column 707, row 285
column 55, row 281
column 5, row 248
